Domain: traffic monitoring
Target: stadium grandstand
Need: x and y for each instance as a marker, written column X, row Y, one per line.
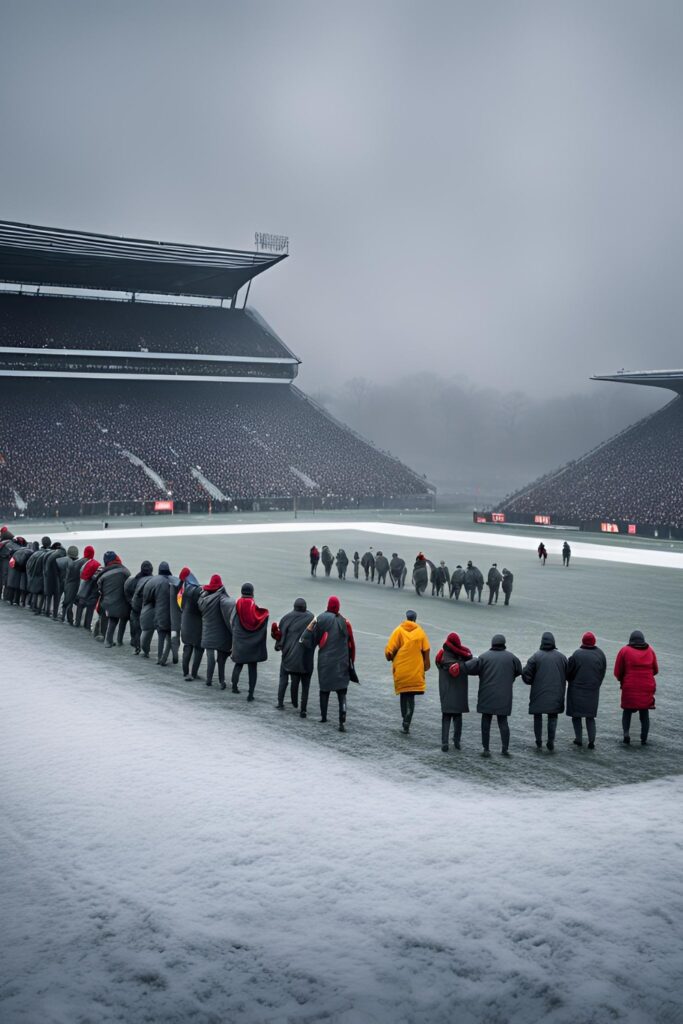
column 632, row 483
column 134, row 377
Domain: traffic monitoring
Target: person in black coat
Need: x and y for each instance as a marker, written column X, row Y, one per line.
column 216, row 609
column 397, row 571
column 452, row 688
column 52, row 584
column 566, row 554
column 133, row 590
column 381, row 567
column 421, row 574
column 190, row 624
column 156, row 610
column 34, row 575
column 249, row 638
column 72, row 577
column 16, row 570
column 546, row 673
column 297, row 660
column 342, row 563
column 327, row 558
column 497, row 669
column 314, row 558
column 508, row 580
column 7, row 548
column 332, row 634
column 356, row 564
column 368, row 563
column 114, row 607
column 493, row 581
column 585, row 672
column 474, row 581
column 457, row 582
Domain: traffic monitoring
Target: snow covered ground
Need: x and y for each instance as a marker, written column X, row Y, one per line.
column 171, row 853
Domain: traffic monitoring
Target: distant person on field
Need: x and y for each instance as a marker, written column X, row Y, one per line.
column 585, row 672
column 542, row 553
column 368, row 563
column 327, row 558
column 314, row 557
column 635, row 668
column 408, row 652
column 508, row 580
column 474, row 581
column 457, row 582
column 342, row 563
column 566, row 554
column 381, row 567
column 356, row 564
column 420, row 574
column 493, row 581
column 397, row 571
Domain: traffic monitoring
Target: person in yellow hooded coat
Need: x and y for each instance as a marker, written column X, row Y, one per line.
column 408, row 652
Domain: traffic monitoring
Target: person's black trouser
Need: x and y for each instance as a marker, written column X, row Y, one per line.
column 37, row 603
column 89, row 610
column 644, row 722
column 590, row 729
column 213, row 657
column 68, row 612
column 407, row 706
column 135, row 631
column 503, row 727
column 328, row 569
column 325, row 700
column 507, row 598
column 314, row 568
column 493, row 595
column 251, row 668
column 194, row 653
column 303, row 678
column 355, row 570
column 146, row 641
column 51, row 605
column 171, row 646
column 446, row 719
column 112, row 622
column 538, row 728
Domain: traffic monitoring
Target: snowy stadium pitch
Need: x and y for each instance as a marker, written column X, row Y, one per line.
column 173, row 853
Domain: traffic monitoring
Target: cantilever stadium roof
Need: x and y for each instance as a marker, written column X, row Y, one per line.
column 671, row 379
column 78, row 259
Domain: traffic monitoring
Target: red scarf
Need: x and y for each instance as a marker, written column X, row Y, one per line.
column 250, row 615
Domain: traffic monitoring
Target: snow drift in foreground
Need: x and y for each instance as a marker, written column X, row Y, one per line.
column 166, row 861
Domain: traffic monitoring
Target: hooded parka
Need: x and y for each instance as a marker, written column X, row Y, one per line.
column 585, row 672
column 216, row 609
column 333, row 637
column 111, row 581
column 249, row 632
column 453, row 681
column 546, row 673
column 635, row 668
column 406, row 651
column 191, row 617
column 497, row 669
column 296, row 658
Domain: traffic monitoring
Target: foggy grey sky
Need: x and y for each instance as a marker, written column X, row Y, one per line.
column 486, row 189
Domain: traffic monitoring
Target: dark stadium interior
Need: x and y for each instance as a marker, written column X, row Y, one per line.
column 30, row 321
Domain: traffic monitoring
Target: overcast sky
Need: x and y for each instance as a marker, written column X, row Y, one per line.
column 486, row 189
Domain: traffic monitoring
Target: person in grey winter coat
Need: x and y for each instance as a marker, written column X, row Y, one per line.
column 249, row 646
column 397, row 571
column 585, row 672
column 457, row 582
column 381, row 567
column 7, row 549
column 342, row 563
column 15, row 588
column 72, row 577
column 133, row 590
column 190, row 623
column 156, row 613
column 566, row 554
column 508, row 580
column 297, row 660
column 327, row 558
column 546, row 673
column 34, row 575
column 497, row 669
column 474, row 581
column 332, row 634
column 52, row 584
column 86, row 597
column 216, row 608
column 64, row 569
column 368, row 563
column 421, row 574
column 493, row 582
column 114, row 607
column 453, row 686
column 356, row 564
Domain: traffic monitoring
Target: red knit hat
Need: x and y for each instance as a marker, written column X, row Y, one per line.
column 333, row 605
column 215, row 583
column 588, row 639
column 454, row 639
column 184, row 573
column 88, row 551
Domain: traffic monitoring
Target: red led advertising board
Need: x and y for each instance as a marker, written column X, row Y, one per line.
column 163, row 506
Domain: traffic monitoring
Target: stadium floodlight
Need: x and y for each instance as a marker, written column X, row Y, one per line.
column 273, row 243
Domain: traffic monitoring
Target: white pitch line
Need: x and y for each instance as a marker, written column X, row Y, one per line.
column 594, row 552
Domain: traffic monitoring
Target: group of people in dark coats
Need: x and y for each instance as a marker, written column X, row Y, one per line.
column 550, row 676
column 378, row 568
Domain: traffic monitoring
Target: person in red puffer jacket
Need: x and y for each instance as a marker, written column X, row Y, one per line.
column 635, row 668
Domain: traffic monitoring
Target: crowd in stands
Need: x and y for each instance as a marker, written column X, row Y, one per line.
column 63, row 440
column 30, row 321
column 637, row 477
column 147, row 367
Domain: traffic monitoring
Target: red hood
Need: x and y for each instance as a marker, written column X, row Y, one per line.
column 89, row 569
column 250, row 615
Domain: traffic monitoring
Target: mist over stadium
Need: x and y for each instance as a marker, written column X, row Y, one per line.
column 341, row 512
